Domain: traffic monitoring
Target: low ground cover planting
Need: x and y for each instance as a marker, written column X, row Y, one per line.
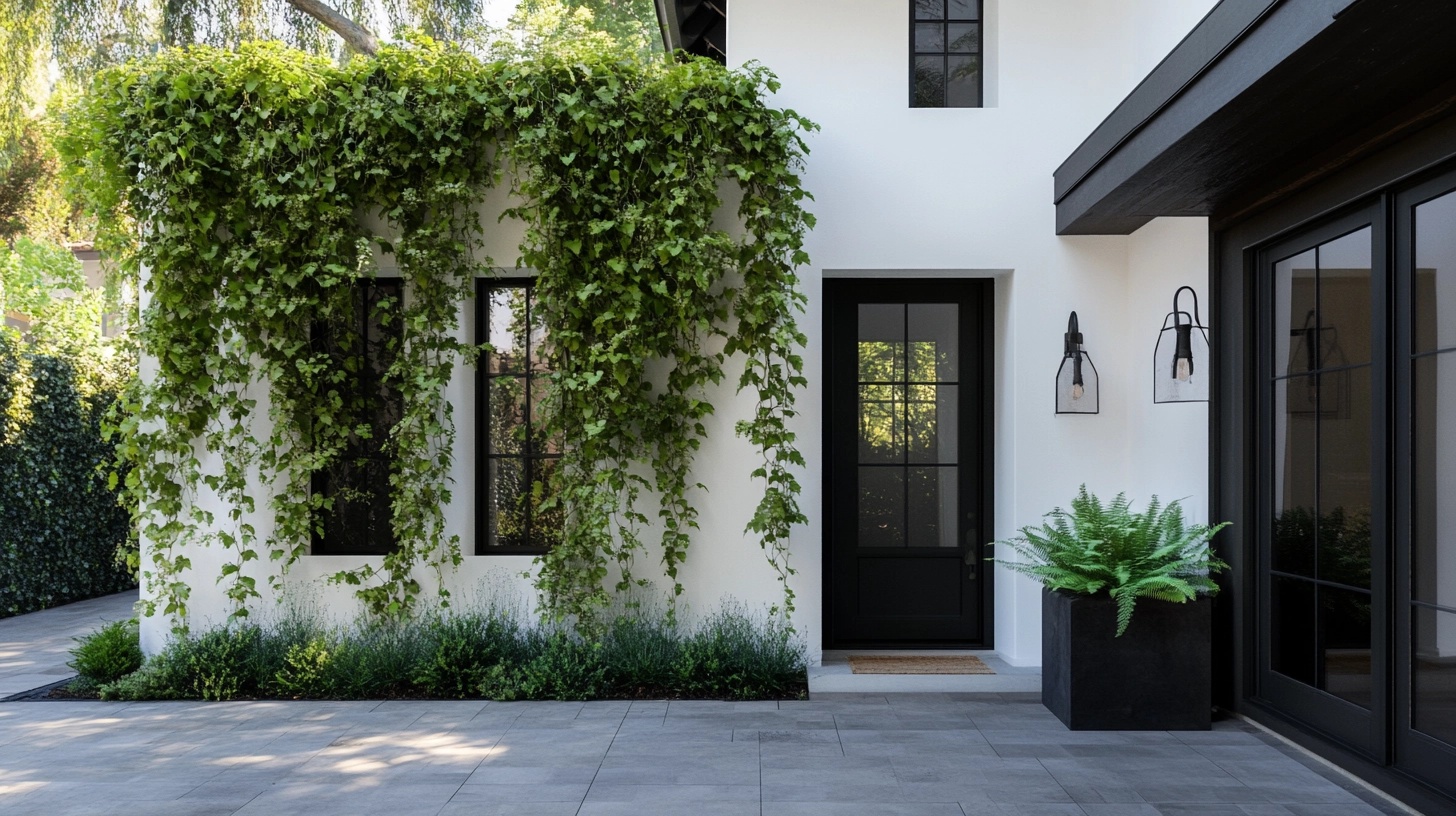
column 491, row 653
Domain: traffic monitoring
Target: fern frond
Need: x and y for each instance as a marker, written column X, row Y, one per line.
column 1110, row 547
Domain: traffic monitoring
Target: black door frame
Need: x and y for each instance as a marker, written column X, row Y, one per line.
column 1363, row 730
column 837, row 293
column 1234, row 476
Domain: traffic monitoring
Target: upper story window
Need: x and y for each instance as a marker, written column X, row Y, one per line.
column 516, row 459
column 945, row 54
column 358, row 518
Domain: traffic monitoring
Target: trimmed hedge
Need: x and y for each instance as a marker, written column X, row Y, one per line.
column 60, row 525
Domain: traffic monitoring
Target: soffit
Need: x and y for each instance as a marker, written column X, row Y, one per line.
column 1261, row 99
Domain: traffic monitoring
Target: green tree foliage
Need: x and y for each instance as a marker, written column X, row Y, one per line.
column 251, row 169
column 82, row 36
column 60, row 524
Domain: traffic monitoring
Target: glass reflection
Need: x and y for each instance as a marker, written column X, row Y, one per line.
column 1433, row 673
column 929, row 82
column 881, row 423
column 1345, row 644
column 881, row 507
column 1433, row 463
column 1292, row 609
column 1434, row 295
column 507, row 332
column 932, row 504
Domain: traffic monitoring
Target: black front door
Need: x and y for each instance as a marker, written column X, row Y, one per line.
column 907, row 441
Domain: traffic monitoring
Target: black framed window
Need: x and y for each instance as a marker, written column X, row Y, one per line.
column 515, row 458
column 357, row 519
column 945, row 54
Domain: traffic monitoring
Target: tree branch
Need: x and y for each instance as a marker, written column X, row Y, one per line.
column 356, row 36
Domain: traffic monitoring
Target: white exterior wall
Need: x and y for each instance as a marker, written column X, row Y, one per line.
column 923, row 193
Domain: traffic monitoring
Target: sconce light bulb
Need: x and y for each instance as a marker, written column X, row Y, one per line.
column 1184, row 368
column 1077, row 392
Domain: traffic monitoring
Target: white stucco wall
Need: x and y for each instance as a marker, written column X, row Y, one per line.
column 918, row 193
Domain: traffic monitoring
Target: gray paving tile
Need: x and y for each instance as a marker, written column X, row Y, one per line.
column 839, row 808
column 524, row 792
column 670, row 809
column 830, row 793
column 454, row 808
column 652, row 794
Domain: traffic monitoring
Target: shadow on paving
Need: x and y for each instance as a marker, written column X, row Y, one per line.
column 879, row 755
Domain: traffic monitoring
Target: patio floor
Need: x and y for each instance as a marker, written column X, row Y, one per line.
column 947, row 754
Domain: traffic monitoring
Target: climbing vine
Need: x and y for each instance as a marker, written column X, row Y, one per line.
column 247, row 192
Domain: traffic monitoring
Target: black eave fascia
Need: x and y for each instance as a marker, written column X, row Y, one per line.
column 1233, row 47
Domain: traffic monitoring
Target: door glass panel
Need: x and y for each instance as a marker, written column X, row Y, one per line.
column 933, row 332
column 1295, row 479
column 931, row 426
column 1433, row 463
column 1433, row 673
column 1344, row 650
column 1292, row 624
column 932, row 500
column 1344, row 482
column 1343, row 316
column 881, row 423
column 1295, row 296
column 881, row 342
column 1433, row 294
column 881, row 507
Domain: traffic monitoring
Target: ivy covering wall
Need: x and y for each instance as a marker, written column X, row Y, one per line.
column 245, row 183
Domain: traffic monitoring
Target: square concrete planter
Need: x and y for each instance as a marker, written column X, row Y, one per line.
column 1156, row 677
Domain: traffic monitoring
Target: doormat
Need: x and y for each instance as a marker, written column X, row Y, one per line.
column 917, row 664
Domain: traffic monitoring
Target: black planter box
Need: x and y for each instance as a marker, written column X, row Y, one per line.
column 1156, row 677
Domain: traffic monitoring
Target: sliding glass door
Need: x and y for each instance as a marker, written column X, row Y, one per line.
column 1356, row 469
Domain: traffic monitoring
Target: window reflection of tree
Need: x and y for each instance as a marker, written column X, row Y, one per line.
column 522, row 459
column 898, row 423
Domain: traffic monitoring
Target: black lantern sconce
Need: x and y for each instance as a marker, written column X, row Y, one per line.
column 1077, row 386
column 1180, row 360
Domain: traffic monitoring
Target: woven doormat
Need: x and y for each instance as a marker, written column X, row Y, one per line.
column 917, row 664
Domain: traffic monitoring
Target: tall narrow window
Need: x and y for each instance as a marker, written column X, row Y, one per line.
column 945, row 53
column 516, row 459
column 357, row 522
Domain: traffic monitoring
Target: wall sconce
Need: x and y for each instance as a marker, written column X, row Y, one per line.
column 1077, row 391
column 1180, row 360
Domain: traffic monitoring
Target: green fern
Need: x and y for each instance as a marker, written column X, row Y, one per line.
column 1130, row 555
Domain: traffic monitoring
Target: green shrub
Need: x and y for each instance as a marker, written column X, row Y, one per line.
column 465, row 648
column 151, row 682
column 483, row 654
column 640, row 654
column 110, row 652
column 560, row 668
column 217, row 665
column 378, row 660
column 733, row 656
column 306, row 670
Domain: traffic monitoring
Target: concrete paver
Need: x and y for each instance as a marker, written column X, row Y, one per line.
column 873, row 754
column 35, row 647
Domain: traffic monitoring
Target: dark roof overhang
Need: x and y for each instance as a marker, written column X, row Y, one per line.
column 699, row 27
column 1262, row 98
